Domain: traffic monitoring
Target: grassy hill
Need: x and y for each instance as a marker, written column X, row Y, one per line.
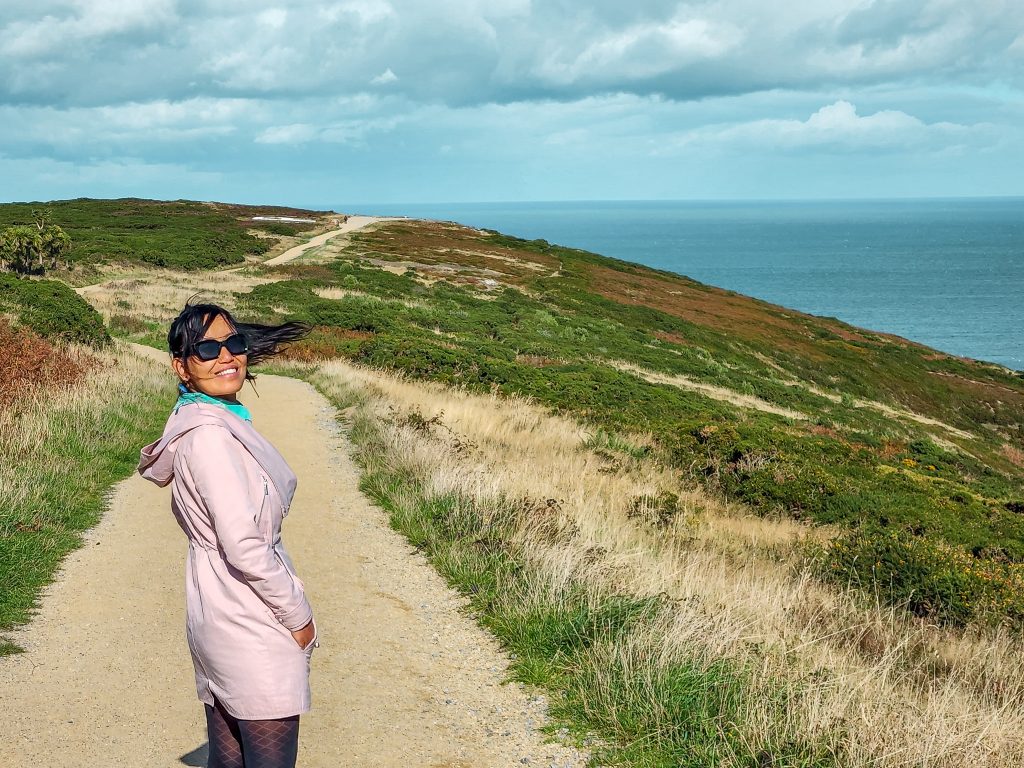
column 694, row 516
column 917, row 453
column 180, row 234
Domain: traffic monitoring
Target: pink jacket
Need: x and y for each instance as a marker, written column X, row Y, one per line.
column 230, row 490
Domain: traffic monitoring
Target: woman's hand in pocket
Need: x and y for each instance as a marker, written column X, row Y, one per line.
column 305, row 635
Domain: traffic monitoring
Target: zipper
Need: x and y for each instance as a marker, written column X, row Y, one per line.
column 263, row 504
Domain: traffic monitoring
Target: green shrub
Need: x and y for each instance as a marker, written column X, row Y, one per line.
column 52, row 309
column 930, row 579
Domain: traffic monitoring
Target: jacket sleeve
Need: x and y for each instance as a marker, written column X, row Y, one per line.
column 216, row 464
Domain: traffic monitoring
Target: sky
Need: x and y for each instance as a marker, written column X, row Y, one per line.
column 331, row 103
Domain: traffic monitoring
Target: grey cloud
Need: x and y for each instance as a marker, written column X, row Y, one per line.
column 464, row 52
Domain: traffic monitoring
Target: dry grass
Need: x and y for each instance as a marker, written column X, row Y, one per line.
column 32, row 432
column 710, row 390
column 877, row 688
column 157, row 296
column 34, row 365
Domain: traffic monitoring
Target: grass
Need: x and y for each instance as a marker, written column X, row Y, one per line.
column 589, row 647
column 678, row 630
column 62, row 450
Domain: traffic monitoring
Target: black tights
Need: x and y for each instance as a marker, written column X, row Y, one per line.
column 251, row 743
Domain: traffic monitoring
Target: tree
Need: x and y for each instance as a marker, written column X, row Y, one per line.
column 20, row 246
column 27, row 248
column 56, row 244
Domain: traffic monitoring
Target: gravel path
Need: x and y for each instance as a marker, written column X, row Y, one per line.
column 401, row 679
column 351, row 225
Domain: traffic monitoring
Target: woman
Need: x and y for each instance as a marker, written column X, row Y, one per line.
column 249, row 625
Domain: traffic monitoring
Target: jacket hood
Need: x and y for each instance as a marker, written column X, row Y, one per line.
column 156, row 461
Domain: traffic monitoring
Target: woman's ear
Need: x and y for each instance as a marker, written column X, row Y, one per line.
column 180, row 369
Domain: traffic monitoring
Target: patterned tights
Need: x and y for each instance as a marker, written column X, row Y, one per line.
column 251, row 743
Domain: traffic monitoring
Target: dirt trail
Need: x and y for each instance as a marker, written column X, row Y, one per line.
column 401, row 678
column 351, row 225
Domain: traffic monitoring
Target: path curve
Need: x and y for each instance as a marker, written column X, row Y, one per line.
column 351, row 225
column 402, row 678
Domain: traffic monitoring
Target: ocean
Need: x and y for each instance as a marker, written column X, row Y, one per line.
column 946, row 273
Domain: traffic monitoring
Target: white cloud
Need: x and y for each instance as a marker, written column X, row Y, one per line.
column 48, row 178
column 643, row 51
column 126, row 127
column 273, row 18
column 84, row 20
column 471, row 51
column 385, row 77
column 338, row 132
column 363, row 13
column 296, row 133
column 839, row 127
column 534, row 85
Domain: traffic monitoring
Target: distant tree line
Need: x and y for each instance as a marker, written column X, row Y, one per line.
column 34, row 248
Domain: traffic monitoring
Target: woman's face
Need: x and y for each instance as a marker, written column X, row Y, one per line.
column 221, row 377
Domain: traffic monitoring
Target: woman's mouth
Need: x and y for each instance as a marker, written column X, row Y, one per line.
column 228, row 372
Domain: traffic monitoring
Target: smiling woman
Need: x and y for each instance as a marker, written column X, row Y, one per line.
column 250, row 627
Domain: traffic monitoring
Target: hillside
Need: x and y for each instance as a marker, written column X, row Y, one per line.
column 918, row 454
column 719, row 531
column 179, row 234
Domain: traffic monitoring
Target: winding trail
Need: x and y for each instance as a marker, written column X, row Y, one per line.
column 402, row 679
column 351, row 225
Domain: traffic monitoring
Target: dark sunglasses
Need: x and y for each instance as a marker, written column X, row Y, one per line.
column 209, row 349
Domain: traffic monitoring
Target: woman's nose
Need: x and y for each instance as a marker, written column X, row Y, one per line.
column 224, row 356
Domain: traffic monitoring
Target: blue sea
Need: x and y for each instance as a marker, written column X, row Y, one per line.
column 946, row 273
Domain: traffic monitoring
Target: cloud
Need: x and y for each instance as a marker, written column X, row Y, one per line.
column 48, row 178
column 296, row 133
column 385, row 77
column 838, row 127
column 83, row 21
column 461, row 52
column 122, row 127
column 641, row 51
column 339, row 132
column 514, row 95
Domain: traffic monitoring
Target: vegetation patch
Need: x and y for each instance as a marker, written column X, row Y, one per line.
column 33, row 366
column 593, row 650
column 932, row 580
column 61, row 451
column 678, row 630
column 52, row 309
column 180, row 235
column 872, row 453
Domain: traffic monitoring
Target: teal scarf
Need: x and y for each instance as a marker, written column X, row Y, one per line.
column 186, row 396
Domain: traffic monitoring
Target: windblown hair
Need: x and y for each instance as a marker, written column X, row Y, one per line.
column 265, row 341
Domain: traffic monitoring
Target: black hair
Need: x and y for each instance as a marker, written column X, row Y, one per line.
column 265, row 341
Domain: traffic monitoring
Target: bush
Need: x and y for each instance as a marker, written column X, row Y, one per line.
column 52, row 309
column 930, row 579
